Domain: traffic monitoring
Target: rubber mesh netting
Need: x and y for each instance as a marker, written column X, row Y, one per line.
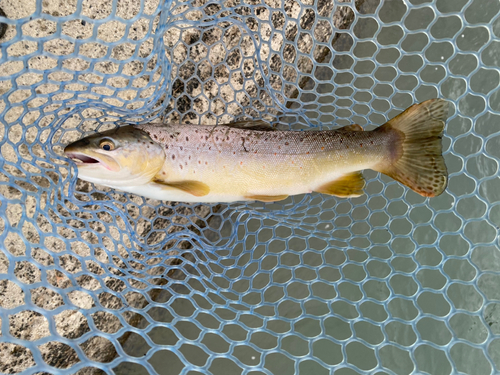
column 96, row 280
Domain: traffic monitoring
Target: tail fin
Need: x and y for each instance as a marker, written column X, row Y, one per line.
column 418, row 162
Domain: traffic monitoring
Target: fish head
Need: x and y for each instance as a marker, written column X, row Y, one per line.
column 125, row 156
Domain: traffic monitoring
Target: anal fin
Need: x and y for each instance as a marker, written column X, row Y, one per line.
column 266, row 198
column 349, row 185
column 196, row 188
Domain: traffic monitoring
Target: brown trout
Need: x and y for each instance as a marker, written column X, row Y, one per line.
column 226, row 163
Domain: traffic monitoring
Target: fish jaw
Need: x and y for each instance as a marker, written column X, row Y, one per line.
column 91, row 160
column 100, row 169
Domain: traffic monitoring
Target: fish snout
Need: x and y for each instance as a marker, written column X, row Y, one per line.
column 76, row 146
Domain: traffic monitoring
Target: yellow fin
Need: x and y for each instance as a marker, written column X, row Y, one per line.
column 351, row 128
column 267, row 198
column 349, row 185
column 196, row 188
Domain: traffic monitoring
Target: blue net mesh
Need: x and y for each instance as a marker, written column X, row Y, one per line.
column 95, row 280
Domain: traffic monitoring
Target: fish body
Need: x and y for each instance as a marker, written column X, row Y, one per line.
column 196, row 163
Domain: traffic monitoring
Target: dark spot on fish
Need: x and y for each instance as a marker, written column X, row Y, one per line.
column 171, row 136
column 187, row 139
column 216, row 138
column 206, row 163
column 199, row 161
column 173, row 157
column 180, row 165
column 166, row 146
column 151, row 142
column 371, row 142
column 189, row 157
column 286, row 143
column 182, row 148
column 163, row 173
column 209, row 148
column 360, row 145
column 196, row 131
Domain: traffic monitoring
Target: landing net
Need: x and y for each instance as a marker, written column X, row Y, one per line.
column 93, row 280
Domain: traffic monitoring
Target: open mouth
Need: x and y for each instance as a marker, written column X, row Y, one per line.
column 81, row 158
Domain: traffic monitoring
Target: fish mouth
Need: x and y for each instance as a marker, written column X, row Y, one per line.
column 83, row 160
column 80, row 159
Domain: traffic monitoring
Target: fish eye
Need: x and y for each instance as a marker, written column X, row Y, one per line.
column 107, row 145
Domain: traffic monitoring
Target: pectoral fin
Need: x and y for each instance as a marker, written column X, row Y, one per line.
column 349, row 185
column 196, row 188
column 267, row 198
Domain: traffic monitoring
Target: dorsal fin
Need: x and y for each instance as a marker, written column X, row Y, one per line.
column 252, row 125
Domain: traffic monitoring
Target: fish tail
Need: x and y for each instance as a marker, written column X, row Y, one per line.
column 416, row 158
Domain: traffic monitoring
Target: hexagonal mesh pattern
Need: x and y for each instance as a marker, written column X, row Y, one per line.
column 96, row 280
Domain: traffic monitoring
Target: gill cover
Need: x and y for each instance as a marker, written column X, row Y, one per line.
column 126, row 156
